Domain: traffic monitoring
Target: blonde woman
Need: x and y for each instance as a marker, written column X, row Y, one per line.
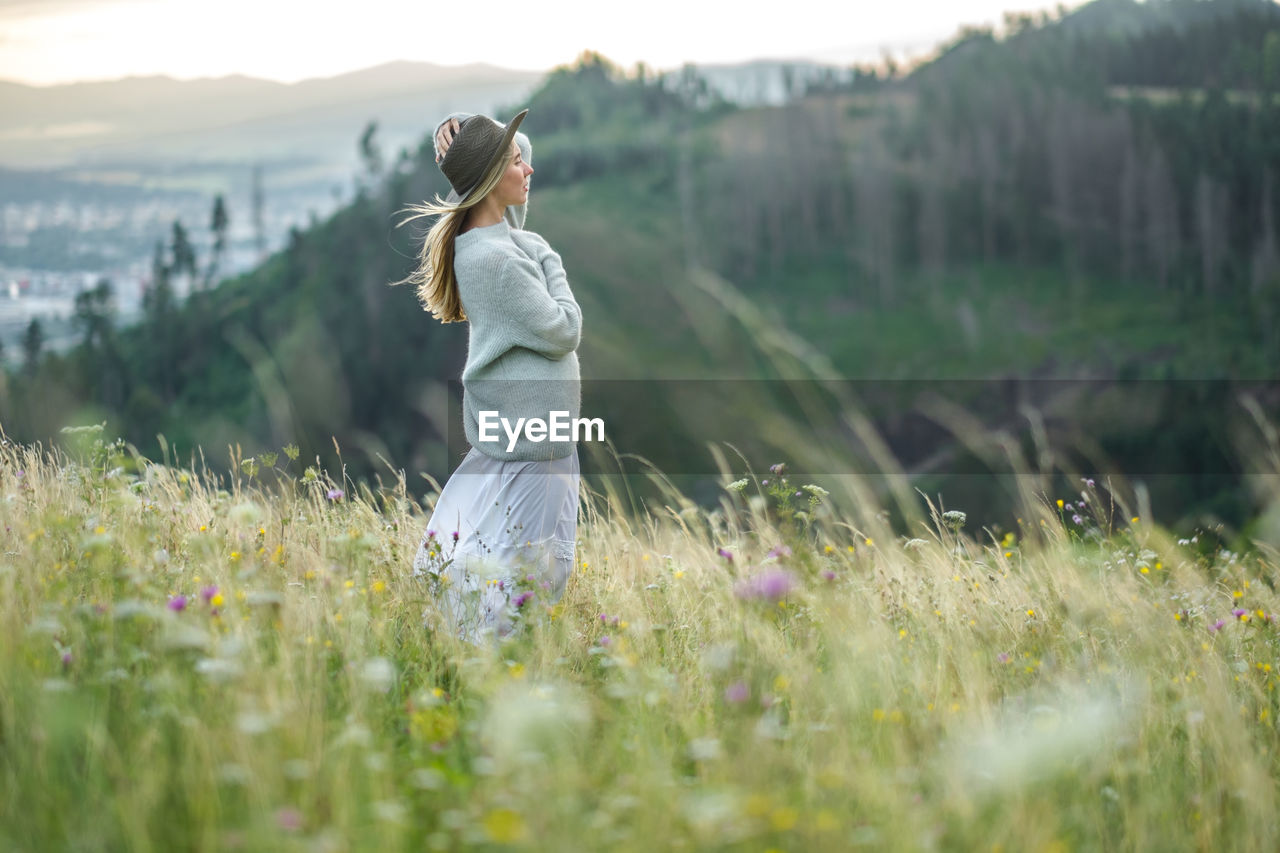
column 500, row 541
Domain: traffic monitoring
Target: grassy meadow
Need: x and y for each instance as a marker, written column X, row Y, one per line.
column 190, row 662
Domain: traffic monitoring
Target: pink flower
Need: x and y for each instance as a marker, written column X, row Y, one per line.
column 208, row 593
column 178, row 603
column 780, row 551
column 335, row 494
column 770, row 585
column 737, row 692
column 723, row 553
column 1003, row 657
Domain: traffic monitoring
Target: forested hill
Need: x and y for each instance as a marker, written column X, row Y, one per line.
column 1000, row 212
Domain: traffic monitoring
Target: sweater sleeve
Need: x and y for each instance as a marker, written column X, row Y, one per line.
column 540, row 312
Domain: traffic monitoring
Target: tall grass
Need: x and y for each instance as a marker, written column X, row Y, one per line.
column 189, row 662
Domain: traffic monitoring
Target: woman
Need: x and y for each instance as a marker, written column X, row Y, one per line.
column 500, row 540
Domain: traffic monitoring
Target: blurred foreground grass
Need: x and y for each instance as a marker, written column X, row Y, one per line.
column 194, row 664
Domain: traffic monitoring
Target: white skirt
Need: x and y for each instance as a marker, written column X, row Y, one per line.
column 500, row 542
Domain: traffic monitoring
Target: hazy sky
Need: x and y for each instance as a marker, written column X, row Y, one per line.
column 53, row 41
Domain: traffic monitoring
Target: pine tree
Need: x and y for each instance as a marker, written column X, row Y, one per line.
column 218, row 223
column 32, row 345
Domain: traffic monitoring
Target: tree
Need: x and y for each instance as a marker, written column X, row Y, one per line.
column 32, row 344
column 160, row 315
column 1271, row 62
column 184, row 254
column 101, row 365
column 259, row 202
column 218, row 223
column 371, row 153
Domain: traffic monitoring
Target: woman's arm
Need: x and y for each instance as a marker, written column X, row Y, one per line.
column 537, row 309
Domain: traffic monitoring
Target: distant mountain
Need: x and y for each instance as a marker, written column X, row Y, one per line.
column 237, row 117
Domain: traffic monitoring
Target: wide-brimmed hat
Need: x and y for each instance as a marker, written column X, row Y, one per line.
column 480, row 145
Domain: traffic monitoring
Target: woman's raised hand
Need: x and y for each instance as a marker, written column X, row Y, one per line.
column 444, row 137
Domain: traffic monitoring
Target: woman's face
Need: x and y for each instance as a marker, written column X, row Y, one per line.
column 514, row 186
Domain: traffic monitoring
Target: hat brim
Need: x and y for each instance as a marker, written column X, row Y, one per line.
column 503, row 149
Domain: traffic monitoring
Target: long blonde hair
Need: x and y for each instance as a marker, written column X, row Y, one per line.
column 437, row 285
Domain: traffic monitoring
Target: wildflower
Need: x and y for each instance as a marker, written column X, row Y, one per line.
column 723, row 553
column 604, row 641
column 1088, row 482
column 522, row 598
column 1077, row 519
column 764, row 482
column 771, row 585
column 777, row 469
column 217, row 601
column 335, row 494
column 829, row 575
column 208, row 593
column 816, row 491
column 455, row 536
column 431, row 534
column 1241, row 614
column 1217, row 626
column 780, row 550
column 737, row 485
column 290, row 819
column 1060, row 504
column 799, row 494
column 1003, row 657
column 736, row 692
column 66, row 658
column 178, row 603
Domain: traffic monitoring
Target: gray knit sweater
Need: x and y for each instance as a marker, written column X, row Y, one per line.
column 525, row 326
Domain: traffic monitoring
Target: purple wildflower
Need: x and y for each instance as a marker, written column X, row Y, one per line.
column 521, row 599
column 335, row 494
column 208, row 593
column 178, row 603
column 1003, row 657
column 771, row 585
column 778, row 468
column 737, row 692
column 455, row 536
column 780, row 551
column 1088, row 482
column 1068, row 506
column 1217, row 626
column 799, row 494
column 1077, row 519
column 1238, row 612
column 290, row 819
column 723, row 553
column 764, row 482
column 604, row 641
column 829, row 575
column 66, row 658
column 431, row 534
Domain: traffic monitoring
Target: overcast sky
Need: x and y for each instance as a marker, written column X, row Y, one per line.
column 55, row 41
